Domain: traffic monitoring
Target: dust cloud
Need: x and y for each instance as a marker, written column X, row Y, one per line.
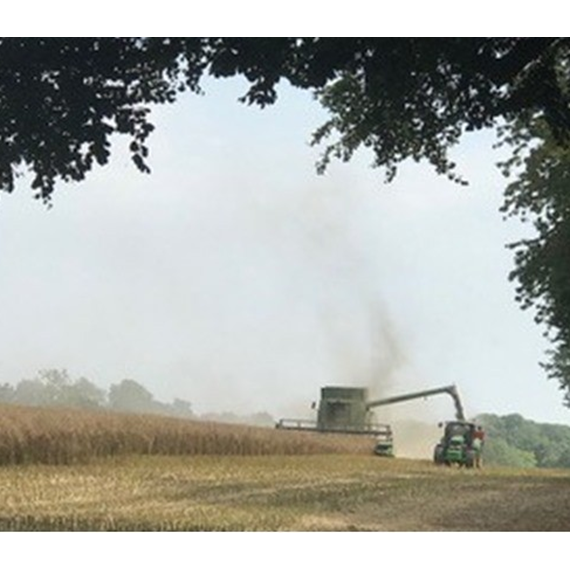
column 415, row 439
column 234, row 297
column 355, row 335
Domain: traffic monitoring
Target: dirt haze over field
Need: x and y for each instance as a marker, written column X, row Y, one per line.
column 415, row 440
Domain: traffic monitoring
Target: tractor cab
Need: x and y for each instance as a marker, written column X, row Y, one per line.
column 458, row 445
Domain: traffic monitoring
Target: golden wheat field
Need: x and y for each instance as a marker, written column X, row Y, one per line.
column 63, row 437
column 65, row 470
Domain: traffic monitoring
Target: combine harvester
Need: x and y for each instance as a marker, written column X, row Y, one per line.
column 347, row 410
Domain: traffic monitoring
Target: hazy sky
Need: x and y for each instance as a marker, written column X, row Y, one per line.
column 237, row 278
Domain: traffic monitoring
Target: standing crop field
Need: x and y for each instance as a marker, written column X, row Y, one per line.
column 64, row 437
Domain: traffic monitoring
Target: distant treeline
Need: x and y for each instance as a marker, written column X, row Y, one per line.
column 515, row 441
column 57, row 389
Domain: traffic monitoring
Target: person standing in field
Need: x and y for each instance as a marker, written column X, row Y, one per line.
column 478, row 440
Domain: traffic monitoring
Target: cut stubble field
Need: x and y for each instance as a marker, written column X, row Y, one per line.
column 279, row 493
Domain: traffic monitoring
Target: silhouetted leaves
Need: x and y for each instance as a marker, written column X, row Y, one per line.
column 63, row 98
column 540, row 194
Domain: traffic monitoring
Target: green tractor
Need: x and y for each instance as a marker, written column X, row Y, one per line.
column 461, row 444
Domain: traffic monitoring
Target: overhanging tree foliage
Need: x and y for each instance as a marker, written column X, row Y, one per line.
column 63, row 98
column 404, row 98
column 540, row 193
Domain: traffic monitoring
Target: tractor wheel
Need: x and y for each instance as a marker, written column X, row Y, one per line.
column 469, row 460
column 438, row 454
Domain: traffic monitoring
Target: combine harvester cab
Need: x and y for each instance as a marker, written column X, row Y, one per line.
column 341, row 410
column 344, row 410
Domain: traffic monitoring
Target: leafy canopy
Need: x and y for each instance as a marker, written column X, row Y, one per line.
column 539, row 192
column 63, row 98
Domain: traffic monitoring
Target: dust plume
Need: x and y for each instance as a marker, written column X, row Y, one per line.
column 415, row 439
column 359, row 335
